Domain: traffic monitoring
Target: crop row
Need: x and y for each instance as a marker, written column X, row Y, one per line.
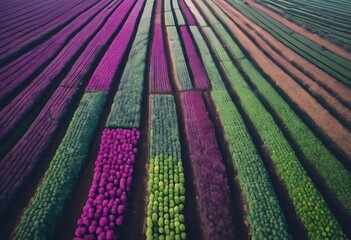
column 312, row 79
column 17, row 24
column 27, row 64
column 257, row 190
column 73, row 151
column 178, row 13
column 105, row 72
column 328, row 61
column 180, row 68
column 200, row 20
column 12, row 32
column 13, row 10
column 126, row 107
column 158, row 75
column 26, row 100
column 335, row 176
column 188, row 16
column 199, row 75
column 287, row 166
column 292, row 91
column 210, row 176
column 41, row 217
column 169, row 20
column 17, row 44
column 166, row 191
column 27, row 152
column 107, row 198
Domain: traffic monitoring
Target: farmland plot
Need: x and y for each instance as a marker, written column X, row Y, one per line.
column 174, row 119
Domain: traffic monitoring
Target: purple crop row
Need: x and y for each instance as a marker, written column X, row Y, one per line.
column 105, row 72
column 196, row 66
column 211, row 182
column 26, row 21
column 158, row 75
column 26, row 100
column 159, row 78
column 16, row 8
column 107, row 198
column 18, row 164
column 17, row 42
column 18, row 71
column 188, row 15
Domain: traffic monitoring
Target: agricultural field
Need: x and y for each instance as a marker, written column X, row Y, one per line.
column 175, row 119
column 330, row 19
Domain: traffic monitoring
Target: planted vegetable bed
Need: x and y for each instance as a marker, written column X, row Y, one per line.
column 172, row 119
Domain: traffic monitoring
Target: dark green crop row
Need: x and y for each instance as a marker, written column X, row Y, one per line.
column 41, row 217
column 126, row 107
column 166, row 192
column 264, row 215
column 335, row 176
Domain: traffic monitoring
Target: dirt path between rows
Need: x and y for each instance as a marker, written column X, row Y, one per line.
column 305, row 102
column 313, row 37
column 263, row 40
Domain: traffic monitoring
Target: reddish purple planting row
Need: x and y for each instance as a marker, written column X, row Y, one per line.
column 27, row 21
column 19, row 42
column 211, row 182
column 159, row 78
column 189, row 17
column 18, row 164
column 200, row 78
column 104, row 74
column 27, row 99
column 107, row 198
column 18, row 71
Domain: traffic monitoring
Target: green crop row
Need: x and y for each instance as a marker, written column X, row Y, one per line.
column 41, row 217
column 277, row 26
column 175, row 4
column 169, row 20
column 126, row 107
column 166, row 192
column 309, row 204
column 335, row 176
column 180, row 18
column 326, row 60
column 167, row 6
column 196, row 13
column 263, row 211
column 179, row 61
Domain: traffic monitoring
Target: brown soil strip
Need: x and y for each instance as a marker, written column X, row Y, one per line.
column 320, row 116
column 313, row 37
column 288, row 58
